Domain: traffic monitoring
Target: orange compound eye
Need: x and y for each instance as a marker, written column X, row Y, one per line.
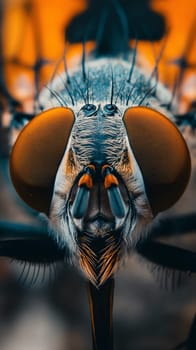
column 161, row 154
column 36, row 156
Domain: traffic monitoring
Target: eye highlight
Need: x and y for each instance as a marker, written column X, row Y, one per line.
column 89, row 109
column 110, row 109
column 161, row 154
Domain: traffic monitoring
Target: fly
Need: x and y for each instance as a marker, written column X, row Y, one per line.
column 101, row 159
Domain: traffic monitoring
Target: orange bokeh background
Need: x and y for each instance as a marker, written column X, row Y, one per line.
column 39, row 32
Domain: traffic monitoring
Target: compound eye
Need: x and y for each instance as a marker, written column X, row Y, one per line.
column 161, row 154
column 110, row 109
column 89, row 109
column 36, row 156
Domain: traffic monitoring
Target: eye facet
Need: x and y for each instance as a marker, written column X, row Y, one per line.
column 110, row 109
column 36, row 156
column 89, row 109
column 161, row 154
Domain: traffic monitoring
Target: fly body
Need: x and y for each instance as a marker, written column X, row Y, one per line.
column 110, row 173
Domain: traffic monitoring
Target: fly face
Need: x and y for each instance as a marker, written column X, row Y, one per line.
column 104, row 168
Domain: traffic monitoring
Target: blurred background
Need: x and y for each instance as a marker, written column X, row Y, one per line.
column 55, row 315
